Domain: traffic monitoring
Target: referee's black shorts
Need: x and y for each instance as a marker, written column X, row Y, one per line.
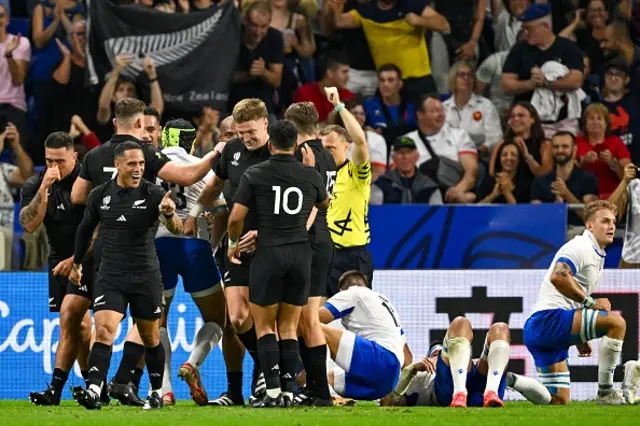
column 322, row 252
column 60, row 286
column 141, row 291
column 347, row 259
column 280, row 274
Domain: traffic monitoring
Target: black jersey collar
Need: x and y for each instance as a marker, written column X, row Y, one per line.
column 283, row 157
column 125, row 138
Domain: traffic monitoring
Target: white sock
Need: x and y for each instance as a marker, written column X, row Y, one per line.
column 208, row 336
column 499, row 353
column 166, row 344
column 95, row 389
column 273, row 393
column 459, row 354
column 530, row 388
column 608, row 355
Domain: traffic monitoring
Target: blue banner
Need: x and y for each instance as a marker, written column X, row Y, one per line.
column 522, row 236
column 29, row 338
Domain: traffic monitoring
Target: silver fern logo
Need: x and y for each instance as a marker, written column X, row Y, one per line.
column 162, row 48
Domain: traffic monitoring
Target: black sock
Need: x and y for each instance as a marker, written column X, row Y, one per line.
column 58, row 380
column 250, row 341
column 318, row 371
column 85, row 375
column 269, row 354
column 154, row 358
column 304, row 356
column 99, row 360
column 131, row 354
column 137, row 377
column 288, row 362
column 234, row 383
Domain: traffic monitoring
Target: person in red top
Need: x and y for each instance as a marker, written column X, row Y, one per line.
column 599, row 152
column 336, row 75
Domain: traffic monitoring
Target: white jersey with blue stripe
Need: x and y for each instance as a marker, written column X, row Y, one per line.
column 371, row 316
column 184, row 197
column 586, row 260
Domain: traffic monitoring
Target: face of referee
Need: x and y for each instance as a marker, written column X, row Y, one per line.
column 337, row 146
column 130, row 168
column 253, row 133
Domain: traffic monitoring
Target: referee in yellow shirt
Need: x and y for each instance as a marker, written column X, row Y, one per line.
column 347, row 214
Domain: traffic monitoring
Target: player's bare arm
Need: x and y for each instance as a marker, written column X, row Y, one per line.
column 325, row 315
column 188, row 174
column 31, row 216
column 563, row 280
column 360, row 153
column 80, row 191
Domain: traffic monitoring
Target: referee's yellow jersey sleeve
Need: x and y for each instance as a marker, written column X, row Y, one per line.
column 360, row 175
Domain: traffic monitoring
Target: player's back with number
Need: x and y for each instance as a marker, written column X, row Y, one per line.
column 284, row 192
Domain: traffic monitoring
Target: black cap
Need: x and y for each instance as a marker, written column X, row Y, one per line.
column 535, row 11
column 404, row 142
column 619, row 63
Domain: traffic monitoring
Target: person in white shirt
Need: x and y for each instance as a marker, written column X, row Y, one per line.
column 506, row 22
column 566, row 314
column 436, row 140
column 370, row 350
column 191, row 257
column 468, row 111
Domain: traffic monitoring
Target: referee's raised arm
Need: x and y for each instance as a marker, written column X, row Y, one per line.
column 360, row 153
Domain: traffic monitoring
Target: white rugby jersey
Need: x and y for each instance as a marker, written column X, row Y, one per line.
column 371, row 316
column 420, row 392
column 631, row 247
column 586, row 260
column 184, row 197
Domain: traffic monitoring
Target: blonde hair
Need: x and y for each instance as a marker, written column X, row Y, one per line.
column 597, row 108
column 592, row 208
column 305, row 117
column 249, row 110
column 339, row 131
column 453, row 73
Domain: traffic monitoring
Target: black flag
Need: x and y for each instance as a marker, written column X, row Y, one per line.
column 195, row 54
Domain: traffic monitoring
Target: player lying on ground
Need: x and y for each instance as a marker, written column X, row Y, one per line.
column 566, row 314
column 369, row 351
column 416, row 385
column 191, row 257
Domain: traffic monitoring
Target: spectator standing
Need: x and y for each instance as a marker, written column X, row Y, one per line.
column 14, row 63
column 522, row 73
column 405, row 184
column 506, row 22
column 388, row 113
column 617, row 42
column 336, row 75
column 624, row 110
column 589, row 32
column 627, row 198
column 566, row 183
column 207, row 131
column 258, row 73
column 511, row 184
column 395, row 33
column 473, row 113
column 446, row 155
column 600, row 152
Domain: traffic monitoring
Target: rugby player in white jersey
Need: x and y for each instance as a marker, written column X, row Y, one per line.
column 566, row 314
column 191, row 257
column 370, row 350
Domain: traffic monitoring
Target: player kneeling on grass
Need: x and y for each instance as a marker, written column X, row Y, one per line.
column 370, row 350
column 566, row 314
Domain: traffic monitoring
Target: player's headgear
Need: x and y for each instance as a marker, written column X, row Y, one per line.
column 179, row 132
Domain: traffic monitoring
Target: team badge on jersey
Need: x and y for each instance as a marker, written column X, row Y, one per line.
column 477, row 115
column 236, row 157
column 105, row 203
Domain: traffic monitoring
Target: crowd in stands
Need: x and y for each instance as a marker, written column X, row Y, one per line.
column 465, row 101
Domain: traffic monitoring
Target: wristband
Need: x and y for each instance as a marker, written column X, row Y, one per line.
column 153, row 80
column 339, row 108
column 197, row 210
column 232, row 244
column 588, row 302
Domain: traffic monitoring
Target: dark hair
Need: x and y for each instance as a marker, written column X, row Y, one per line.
column 58, row 140
column 128, row 108
column 180, row 131
column 305, row 117
column 125, row 146
column 351, row 278
column 334, row 60
column 153, row 112
column 390, row 67
column 424, row 98
column 537, row 132
column 562, row 133
column 498, row 167
column 283, row 135
column 124, row 80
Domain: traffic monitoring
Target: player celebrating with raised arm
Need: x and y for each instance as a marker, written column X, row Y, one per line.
column 370, row 351
column 283, row 191
column 566, row 314
column 127, row 209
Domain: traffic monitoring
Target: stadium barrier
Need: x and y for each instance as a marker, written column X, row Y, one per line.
column 426, row 302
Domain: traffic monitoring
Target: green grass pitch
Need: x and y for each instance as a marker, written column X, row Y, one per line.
column 363, row 414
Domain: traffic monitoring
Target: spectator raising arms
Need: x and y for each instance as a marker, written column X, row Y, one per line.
column 589, row 34
column 511, row 185
column 468, row 111
column 600, row 152
column 506, row 22
column 524, row 128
